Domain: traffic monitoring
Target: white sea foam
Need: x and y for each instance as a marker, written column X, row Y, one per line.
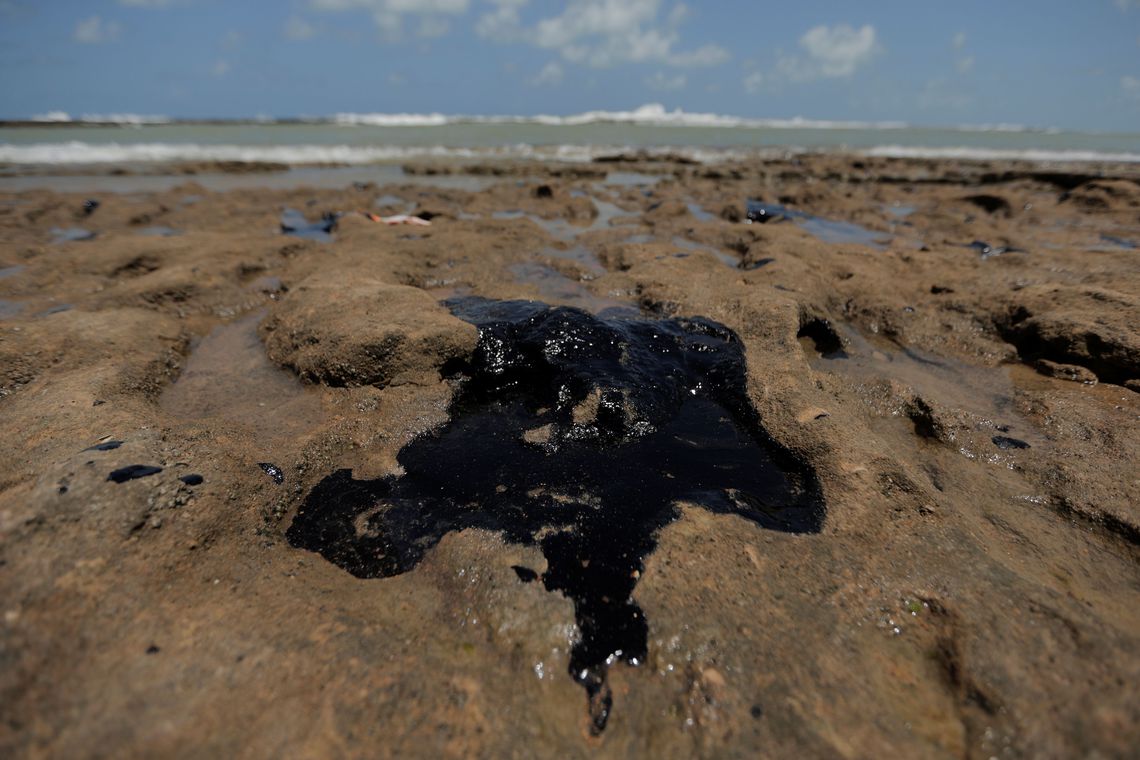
column 388, row 119
column 125, row 119
column 650, row 114
column 1001, row 154
column 77, row 152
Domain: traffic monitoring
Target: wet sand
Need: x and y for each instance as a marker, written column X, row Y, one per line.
column 950, row 349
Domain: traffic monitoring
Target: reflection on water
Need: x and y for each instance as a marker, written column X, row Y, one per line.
column 9, row 309
column 826, row 230
column 631, row 179
column 561, row 229
column 725, row 258
column 332, row 178
column 557, row 288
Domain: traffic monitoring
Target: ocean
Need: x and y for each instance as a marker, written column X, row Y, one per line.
column 59, row 139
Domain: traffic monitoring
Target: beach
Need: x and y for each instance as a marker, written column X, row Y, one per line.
column 936, row 356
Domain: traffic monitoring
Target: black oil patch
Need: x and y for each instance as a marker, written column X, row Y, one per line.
column 273, row 471
column 133, row 472
column 105, row 446
column 1005, row 442
column 579, row 435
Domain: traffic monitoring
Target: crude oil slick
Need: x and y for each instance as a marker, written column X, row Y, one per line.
column 577, row 434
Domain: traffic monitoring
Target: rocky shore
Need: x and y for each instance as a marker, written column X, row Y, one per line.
column 941, row 359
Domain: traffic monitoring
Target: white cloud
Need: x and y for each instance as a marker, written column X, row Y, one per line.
column 603, row 33
column 964, row 63
column 297, row 28
column 662, row 81
column 835, row 51
column 388, row 15
column 94, row 31
column 679, row 13
column 1131, row 87
column 705, row 55
column 551, row 74
column 503, row 23
column 831, row 52
column 754, row 82
column 220, row 68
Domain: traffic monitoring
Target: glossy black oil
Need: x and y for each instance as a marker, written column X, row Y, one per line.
column 133, row 472
column 525, row 574
column 273, row 471
column 105, row 446
column 762, row 213
column 294, row 223
column 579, row 435
column 1005, row 443
column 826, row 230
column 986, row 251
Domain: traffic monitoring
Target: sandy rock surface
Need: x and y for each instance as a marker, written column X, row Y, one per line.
column 951, row 348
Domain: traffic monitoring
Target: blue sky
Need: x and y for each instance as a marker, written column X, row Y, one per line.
column 1064, row 63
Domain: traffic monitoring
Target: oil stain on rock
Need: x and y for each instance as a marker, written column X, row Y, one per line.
column 577, row 434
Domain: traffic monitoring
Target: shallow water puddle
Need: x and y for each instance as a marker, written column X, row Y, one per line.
column 227, row 377
column 698, row 212
column 725, row 258
column 71, row 234
column 578, row 435
column 1118, row 242
column 561, row 229
column 552, row 285
column 11, row 271
column 985, row 392
column 159, row 231
column 826, row 230
column 631, row 179
column 9, row 309
column 830, row 231
column 294, row 223
column 899, row 210
column 388, row 200
column 581, row 255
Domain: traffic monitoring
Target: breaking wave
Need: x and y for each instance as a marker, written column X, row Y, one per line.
column 651, row 114
column 123, row 119
column 1000, row 154
column 75, row 152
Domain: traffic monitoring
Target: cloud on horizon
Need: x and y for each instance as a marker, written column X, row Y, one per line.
column 388, row 15
column 831, row 52
column 603, row 33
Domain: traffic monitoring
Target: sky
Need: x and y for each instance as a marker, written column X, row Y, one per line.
column 1072, row 64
